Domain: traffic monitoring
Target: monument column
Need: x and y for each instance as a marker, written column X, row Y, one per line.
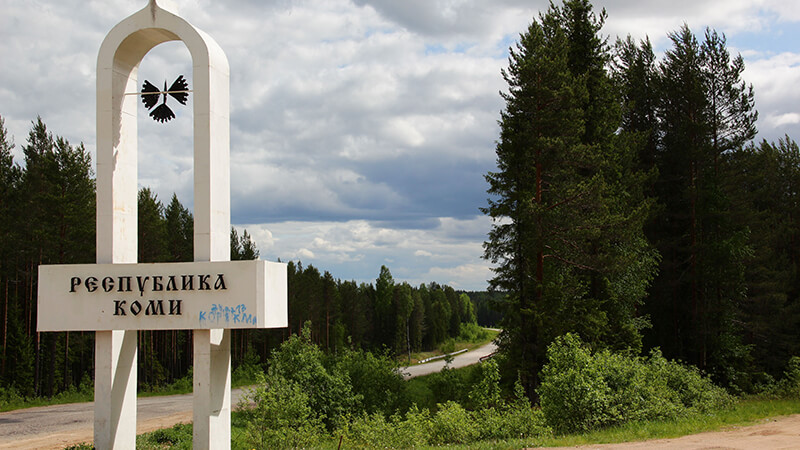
column 117, row 66
column 116, row 297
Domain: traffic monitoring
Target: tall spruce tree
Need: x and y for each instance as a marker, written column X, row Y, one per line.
column 566, row 203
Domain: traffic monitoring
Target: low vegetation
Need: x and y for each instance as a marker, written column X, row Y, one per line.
column 311, row 399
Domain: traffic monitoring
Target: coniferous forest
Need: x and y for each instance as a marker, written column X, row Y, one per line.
column 633, row 214
column 631, row 205
column 48, row 210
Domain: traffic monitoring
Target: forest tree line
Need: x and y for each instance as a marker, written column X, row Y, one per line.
column 632, row 207
column 47, row 206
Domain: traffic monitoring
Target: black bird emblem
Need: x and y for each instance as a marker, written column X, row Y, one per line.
column 150, row 94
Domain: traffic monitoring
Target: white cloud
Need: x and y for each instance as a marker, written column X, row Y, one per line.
column 360, row 129
column 460, row 277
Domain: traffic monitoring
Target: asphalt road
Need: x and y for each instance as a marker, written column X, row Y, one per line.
column 62, row 425
column 58, row 426
column 459, row 361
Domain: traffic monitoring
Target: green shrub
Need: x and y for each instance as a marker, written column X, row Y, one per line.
column 375, row 431
column 9, row 397
column 247, row 371
column 330, row 393
column 695, row 392
column 792, row 376
column 486, row 392
column 376, row 382
column 451, row 385
column 281, row 415
column 448, row 346
column 573, row 394
column 452, row 424
column 581, row 391
column 472, row 332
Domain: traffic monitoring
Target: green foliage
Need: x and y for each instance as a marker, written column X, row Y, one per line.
column 517, row 421
column 452, row 424
column 486, row 392
column 152, row 231
column 792, row 375
column 472, row 332
column 248, row 370
column 573, row 393
column 9, row 398
column 787, row 387
column 301, row 363
column 567, row 199
column 581, row 391
column 375, row 431
column 283, row 415
column 243, row 248
column 375, row 380
column 179, row 437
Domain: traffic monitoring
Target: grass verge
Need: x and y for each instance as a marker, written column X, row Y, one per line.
column 745, row 412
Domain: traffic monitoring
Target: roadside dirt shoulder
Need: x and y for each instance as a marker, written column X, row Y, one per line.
column 775, row 433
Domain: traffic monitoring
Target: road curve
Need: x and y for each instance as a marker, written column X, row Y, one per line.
column 59, row 426
column 459, row 361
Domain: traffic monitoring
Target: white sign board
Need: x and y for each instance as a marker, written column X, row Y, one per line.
column 165, row 296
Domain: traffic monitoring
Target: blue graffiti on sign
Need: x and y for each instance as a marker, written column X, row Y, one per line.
column 223, row 314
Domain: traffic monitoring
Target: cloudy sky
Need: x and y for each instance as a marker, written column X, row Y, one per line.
column 360, row 129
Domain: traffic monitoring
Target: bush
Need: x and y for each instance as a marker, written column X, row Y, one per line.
column 375, row 431
column 448, row 346
column 486, row 392
column 247, row 371
column 301, row 362
column 573, row 394
column 581, row 391
column 9, row 397
column 472, row 332
column 452, row 424
column 516, row 422
column 791, row 381
column 375, row 380
column 282, row 415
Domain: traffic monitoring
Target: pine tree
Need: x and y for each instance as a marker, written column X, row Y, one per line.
column 766, row 179
column 58, row 228
column 636, row 76
column 151, row 228
column 705, row 111
column 384, row 291
column 180, row 231
column 9, row 204
column 249, row 248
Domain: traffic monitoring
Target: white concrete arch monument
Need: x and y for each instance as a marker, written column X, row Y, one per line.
column 117, row 296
